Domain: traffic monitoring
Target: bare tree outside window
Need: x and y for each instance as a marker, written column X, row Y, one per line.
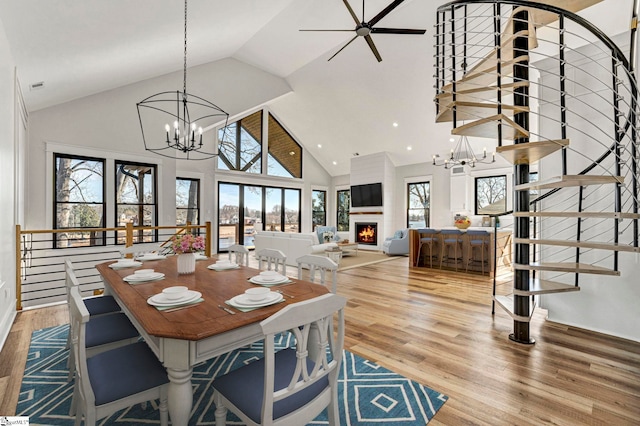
column 240, row 145
column 79, row 200
column 187, row 201
column 319, row 208
column 343, row 207
column 136, row 199
column 491, row 195
column 419, row 199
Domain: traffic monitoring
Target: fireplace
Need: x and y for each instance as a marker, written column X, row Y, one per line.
column 367, row 233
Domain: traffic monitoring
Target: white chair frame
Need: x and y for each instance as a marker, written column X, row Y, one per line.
column 239, row 254
column 274, row 259
column 321, row 264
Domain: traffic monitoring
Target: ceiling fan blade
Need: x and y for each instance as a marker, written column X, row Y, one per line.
column 373, row 47
column 351, row 12
column 342, row 48
column 384, row 12
column 397, row 31
column 326, row 30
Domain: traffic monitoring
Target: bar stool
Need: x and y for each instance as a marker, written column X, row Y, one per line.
column 478, row 240
column 451, row 238
column 428, row 237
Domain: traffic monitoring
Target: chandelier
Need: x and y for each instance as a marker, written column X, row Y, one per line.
column 189, row 116
column 462, row 155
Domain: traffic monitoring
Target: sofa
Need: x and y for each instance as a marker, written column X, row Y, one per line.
column 293, row 245
column 398, row 244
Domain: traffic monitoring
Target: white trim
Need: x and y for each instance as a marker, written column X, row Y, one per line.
column 61, row 148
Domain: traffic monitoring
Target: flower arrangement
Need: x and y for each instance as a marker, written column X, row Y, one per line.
column 462, row 222
column 186, row 243
column 327, row 236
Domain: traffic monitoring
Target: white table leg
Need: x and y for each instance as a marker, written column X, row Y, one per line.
column 180, row 396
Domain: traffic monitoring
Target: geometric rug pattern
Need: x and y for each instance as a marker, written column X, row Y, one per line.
column 368, row 393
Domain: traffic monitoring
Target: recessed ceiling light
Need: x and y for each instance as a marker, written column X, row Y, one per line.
column 409, row 148
column 452, row 140
column 319, row 145
column 292, row 153
column 395, row 124
column 335, row 163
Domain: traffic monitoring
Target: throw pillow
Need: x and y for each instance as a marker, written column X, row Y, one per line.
column 398, row 235
column 326, row 231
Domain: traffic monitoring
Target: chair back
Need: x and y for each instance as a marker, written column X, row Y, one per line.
column 301, row 319
column 79, row 317
column 323, row 265
column 239, row 254
column 478, row 236
column 451, row 234
column 272, row 259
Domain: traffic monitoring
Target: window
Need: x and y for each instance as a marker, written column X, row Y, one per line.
column 343, row 207
column 285, row 155
column 491, row 195
column 79, row 200
column 319, row 208
column 419, row 204
column 240, row 145
column 187, row 201
column 136, row 199
column 533, row 177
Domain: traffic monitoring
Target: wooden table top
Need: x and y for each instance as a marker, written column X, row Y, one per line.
column 206, row 318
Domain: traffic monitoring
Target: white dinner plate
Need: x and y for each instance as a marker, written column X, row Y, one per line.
column 151, row 257
column 242, row 301
column 122, row 266
column 200, row 256
column 161, row 299
column 223, row 268
column 139, row 278
column 260, row 281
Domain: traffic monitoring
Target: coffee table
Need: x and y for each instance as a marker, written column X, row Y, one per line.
column 348, row 249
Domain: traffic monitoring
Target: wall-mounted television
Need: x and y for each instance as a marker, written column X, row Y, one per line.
column 369, row 195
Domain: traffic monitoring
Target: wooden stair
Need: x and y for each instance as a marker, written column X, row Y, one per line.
column 566, row 181
column 580, row 244
column 506, row 303
column 538, row 286
column 479, row 94
column 488, row 128
column 475, row 110
column 531, row 152
column 571, row 267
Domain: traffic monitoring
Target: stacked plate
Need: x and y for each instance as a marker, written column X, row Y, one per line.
column 170, row 299
column 268, row 278
column 151, row 256
column 200, row 256
column 245, row 301
column 143, row 275
column 125, row 263
column 222, row 265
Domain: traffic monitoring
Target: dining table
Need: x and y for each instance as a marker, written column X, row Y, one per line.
column 184, row 336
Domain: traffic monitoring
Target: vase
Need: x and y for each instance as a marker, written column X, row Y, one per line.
column 186, row 263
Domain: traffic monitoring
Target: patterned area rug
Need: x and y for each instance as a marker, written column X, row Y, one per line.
column 369, row 394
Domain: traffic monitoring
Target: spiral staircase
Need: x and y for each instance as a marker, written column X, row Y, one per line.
column 557, row 94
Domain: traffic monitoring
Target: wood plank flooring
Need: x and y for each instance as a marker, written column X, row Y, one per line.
column 437, row 328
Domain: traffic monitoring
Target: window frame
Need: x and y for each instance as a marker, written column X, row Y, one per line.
column 138, row 237
column 315, row 212
column 187, row 209
column 346, row 212
column 427, row 217
column 475, row 193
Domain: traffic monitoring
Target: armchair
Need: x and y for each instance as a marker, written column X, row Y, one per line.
column 398, row 244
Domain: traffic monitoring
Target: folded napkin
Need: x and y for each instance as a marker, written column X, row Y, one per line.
column 179, row 305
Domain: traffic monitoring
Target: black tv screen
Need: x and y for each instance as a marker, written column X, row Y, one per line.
column 369, row 195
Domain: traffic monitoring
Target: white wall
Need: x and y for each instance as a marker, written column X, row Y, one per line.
column 7, row 189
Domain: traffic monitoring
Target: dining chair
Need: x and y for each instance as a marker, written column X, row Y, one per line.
column 239, row 254
column 427, row 237
column 97, row 305
column 323, row 265
column 115, row 379
column 273, row 258
column 478, row 240
column 291, row 386
column 103, row 332
column 451, row 239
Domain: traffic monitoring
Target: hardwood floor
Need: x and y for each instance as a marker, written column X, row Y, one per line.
column 437, row 328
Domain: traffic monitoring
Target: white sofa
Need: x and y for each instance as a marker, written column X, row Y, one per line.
column 293, row 245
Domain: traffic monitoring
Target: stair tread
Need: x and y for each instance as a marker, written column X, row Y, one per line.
column 538, row 286
column 599, row 215
column 485, row 76
column 475, row 110
column 479, row 93
column 583, row 268
column 488, row 128
column 581, row 244
column 506, row 303
column 570, row 181
column 527, row 153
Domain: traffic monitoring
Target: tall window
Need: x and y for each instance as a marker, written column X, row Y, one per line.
column 419, row 204
column 343, row 207
column 285, row 155
column 79, row 200
column 187, row 201
column 491, row 195
column 319, row 208
column 136, row 198
column 240, row 146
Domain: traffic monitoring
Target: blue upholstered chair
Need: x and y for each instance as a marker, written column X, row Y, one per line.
column 98, row 305
column 272, row 259
column 398, row 244
column 115, row 379
column 291, row 386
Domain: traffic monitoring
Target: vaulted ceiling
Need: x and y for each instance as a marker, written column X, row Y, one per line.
column 347, row 105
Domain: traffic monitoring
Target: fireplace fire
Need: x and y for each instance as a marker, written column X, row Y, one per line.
column 367, row 233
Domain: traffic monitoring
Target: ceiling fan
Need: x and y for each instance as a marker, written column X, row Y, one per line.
column 365, row 29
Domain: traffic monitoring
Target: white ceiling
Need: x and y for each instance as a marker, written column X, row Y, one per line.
column 348, row 105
